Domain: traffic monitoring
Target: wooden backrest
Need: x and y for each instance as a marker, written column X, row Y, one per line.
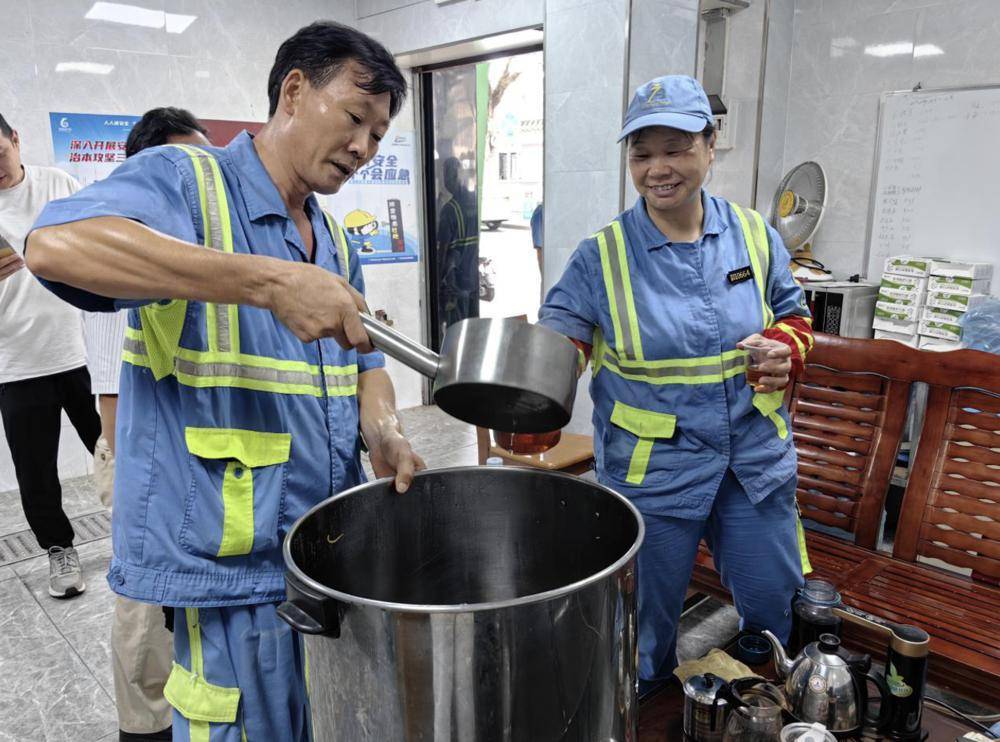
column 951, row 508
column 848, row 410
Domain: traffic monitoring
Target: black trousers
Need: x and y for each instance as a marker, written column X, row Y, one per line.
column 31, row 411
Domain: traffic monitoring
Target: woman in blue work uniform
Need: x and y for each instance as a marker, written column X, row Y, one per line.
column 667, row 300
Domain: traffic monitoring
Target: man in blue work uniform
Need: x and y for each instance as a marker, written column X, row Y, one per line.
column 668, row 299
column 247, row 370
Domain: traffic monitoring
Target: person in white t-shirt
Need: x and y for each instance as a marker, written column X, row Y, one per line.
column 43, row 368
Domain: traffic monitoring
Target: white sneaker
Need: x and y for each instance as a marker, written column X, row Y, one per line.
column 104, row 472
column 65, row 576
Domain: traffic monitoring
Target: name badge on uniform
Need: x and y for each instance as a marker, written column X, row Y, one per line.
column 740, row 275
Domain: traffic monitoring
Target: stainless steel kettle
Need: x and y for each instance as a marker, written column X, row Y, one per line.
column 826, row 684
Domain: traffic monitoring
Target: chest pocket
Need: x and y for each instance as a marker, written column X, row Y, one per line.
column 236, row 497
column 632, row 433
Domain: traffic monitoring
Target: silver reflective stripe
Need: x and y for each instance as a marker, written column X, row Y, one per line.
column 640, row 369
column 254, row 373
column 138, row 347
column 341, row 380
column 213, row 228
column 618, row 284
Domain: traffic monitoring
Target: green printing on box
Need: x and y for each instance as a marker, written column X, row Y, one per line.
column 895, row 316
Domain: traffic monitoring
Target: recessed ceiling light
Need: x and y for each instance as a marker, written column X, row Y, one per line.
column 134, row 15
column 93, row 68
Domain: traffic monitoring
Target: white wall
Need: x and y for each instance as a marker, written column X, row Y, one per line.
column 836, row 82
column 217, row 68
column 410, row 25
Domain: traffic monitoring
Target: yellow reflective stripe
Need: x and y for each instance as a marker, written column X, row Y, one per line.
column 197, row 700
column 305, row 656
column 764, row 258
column 672, row 378
column 647, row 426
column 790, row 331
column 199, row 730
column 704, row 370
column 643, row 423
column 258, row 373
column 755, row 263
column 633, row 318
column 344, row 254
column 222, row 319
column 134, row 359
column 639, row 462
column 252, row 448
column 237, row 510
column 769, row 405
column 803, row 552
column 609, row 286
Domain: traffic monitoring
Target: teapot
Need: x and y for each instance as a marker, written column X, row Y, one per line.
column 829, row 685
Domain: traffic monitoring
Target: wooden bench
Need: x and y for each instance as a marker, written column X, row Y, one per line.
column 848, row 410
column 950, row 515
column 950, row 510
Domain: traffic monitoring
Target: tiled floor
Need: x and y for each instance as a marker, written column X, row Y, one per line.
column 55, row 674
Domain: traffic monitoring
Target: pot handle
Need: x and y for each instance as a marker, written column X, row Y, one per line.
column 308, row 611
column 397, row 345
column 880, row 721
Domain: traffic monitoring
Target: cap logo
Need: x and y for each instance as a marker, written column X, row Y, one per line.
column 657, row 96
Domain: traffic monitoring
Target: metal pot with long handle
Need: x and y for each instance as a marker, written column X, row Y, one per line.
column 504, row 374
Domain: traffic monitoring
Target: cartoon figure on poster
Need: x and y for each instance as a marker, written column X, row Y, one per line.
column 377, row 206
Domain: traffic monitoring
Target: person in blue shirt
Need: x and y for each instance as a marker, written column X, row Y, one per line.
column 537, row 232
column 247, row 372
column 674, row 302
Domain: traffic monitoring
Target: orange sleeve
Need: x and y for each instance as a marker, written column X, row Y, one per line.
column 796, row 332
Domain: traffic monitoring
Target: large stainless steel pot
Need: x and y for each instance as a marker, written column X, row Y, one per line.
column 503, row 374
column 487, row 603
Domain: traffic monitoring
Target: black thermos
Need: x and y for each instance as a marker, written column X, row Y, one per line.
column 906, row 676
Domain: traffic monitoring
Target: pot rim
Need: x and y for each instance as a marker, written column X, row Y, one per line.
column 347, row 598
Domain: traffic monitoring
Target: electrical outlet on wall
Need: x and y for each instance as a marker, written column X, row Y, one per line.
column 724, row 124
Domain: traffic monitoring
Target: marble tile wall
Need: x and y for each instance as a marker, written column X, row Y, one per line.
column 217, row 68
column 776, row 77
column 732, row 173
column 845, row 54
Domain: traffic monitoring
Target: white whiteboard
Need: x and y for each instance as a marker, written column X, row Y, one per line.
column 936, row 187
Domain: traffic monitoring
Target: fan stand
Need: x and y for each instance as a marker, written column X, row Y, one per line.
column 806, row 268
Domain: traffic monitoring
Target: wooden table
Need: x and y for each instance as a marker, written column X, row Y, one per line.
column 661, row 716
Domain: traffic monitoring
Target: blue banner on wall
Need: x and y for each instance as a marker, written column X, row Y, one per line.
column 89, row 146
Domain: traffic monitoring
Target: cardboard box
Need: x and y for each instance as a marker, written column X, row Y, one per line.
column 900, row 309
column 892, row 322
column 907, row 265
column 938, row 344
column 902, row 288
column 943, row 330
column 899, row 337
column 898, row 281
column 958, row 285
column 960, row 269
column 960, row 302
column 948, row 316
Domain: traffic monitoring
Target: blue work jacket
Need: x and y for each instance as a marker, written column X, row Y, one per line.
column 672, row 407
column 229, row 427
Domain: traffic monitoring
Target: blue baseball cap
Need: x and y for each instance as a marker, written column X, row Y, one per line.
column 677, row 101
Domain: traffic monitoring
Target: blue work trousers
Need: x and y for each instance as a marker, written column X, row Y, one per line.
column 239, row 676
column 755, row 548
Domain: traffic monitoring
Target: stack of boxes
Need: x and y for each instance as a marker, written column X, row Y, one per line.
column 922, row 300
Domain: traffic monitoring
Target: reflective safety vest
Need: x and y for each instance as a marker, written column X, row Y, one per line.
column 630, row 363
column 232, row 429
column 666, row 403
